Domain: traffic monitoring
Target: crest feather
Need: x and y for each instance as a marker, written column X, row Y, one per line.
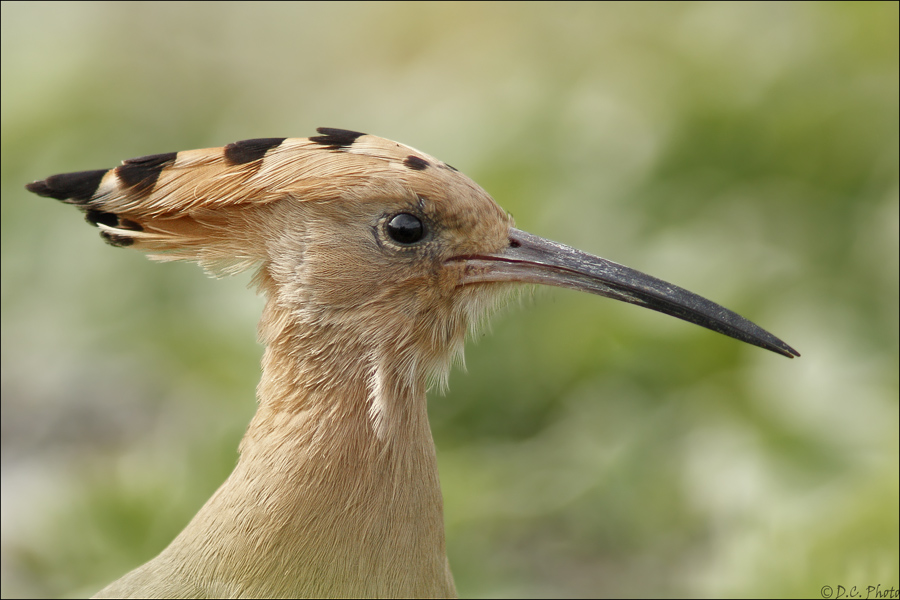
column 202, row 205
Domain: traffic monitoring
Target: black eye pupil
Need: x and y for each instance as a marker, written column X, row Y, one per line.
column 405, row 228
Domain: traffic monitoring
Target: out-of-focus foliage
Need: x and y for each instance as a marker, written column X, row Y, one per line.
column 748, row 152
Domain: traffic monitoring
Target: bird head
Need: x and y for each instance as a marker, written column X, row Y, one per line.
column 359, row 235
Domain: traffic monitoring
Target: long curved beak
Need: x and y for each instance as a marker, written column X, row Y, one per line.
column 532, row 259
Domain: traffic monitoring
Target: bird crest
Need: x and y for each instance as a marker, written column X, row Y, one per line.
column 201, row 205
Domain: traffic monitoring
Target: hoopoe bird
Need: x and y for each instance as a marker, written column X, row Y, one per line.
column 374, row 259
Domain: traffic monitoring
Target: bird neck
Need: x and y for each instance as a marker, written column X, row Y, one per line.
column 322, row 501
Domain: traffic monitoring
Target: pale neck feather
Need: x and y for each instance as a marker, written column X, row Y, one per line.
column 319, row 504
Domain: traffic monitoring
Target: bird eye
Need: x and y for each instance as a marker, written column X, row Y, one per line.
column 405, row 228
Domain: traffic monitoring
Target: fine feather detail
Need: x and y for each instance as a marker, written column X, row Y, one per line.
column 190, row 205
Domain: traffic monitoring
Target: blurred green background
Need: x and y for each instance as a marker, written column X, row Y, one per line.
column 748, row 152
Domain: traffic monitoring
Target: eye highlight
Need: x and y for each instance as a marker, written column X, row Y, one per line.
column 405, row 228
